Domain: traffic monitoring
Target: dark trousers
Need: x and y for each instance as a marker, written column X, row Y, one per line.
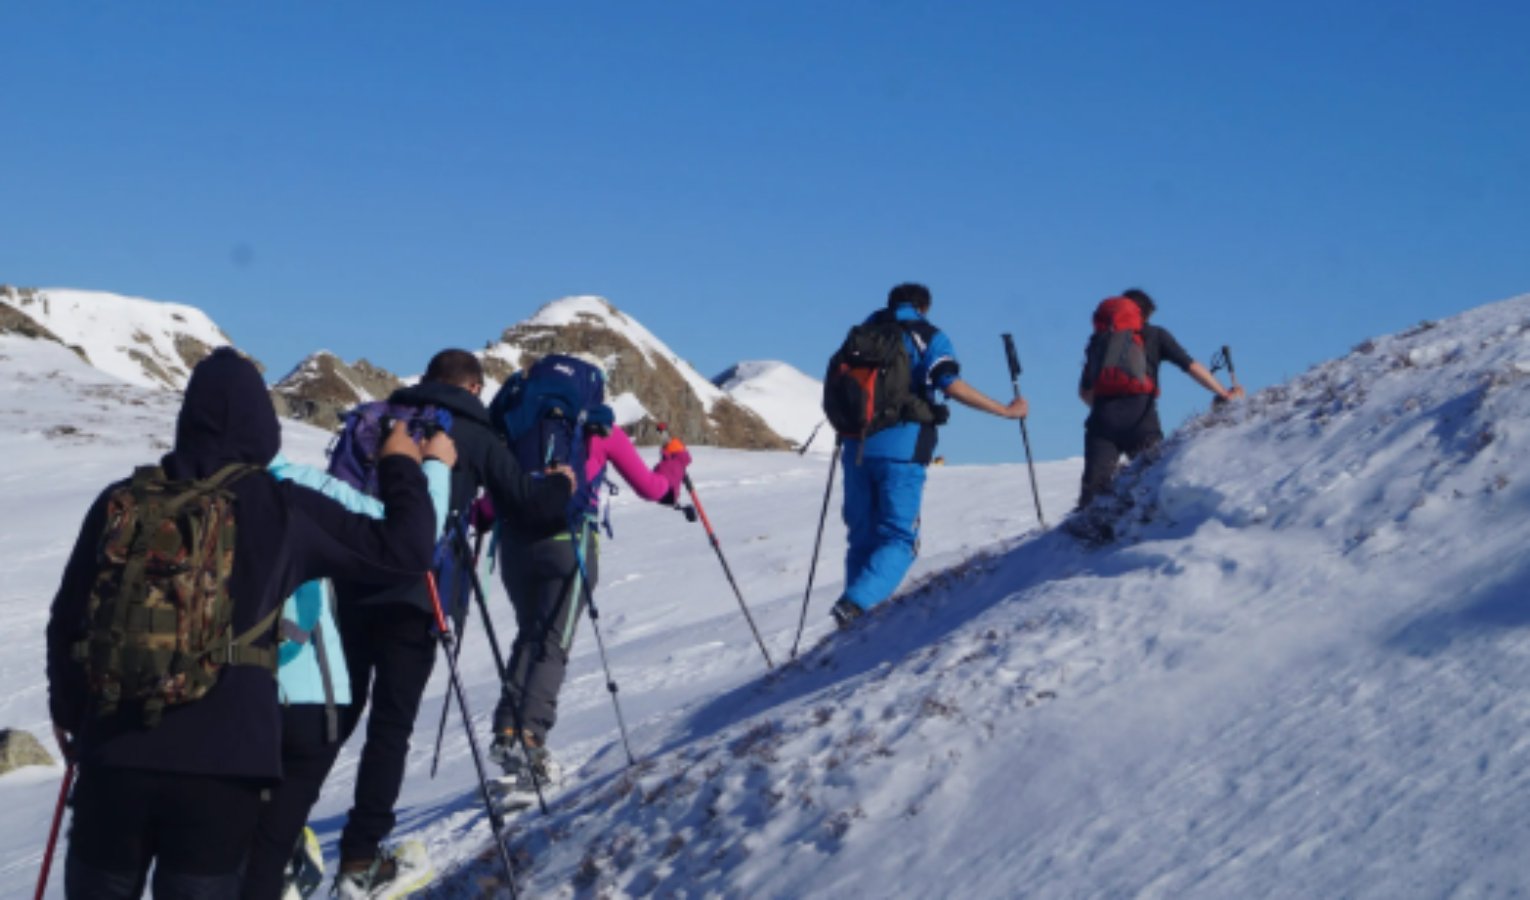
column 390, row 650
column 195, row 829
column 307, row 757
column 1103, row 449
column 547, row 590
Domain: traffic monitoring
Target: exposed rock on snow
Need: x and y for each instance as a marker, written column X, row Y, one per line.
column 20, row 748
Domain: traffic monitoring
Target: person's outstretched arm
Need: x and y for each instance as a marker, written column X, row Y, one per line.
column 1205, row 379
column 967, row 395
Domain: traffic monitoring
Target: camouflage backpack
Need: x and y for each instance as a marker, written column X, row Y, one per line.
column 160, row 617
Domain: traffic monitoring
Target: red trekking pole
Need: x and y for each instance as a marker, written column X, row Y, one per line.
column 496, row 821
column 58, row 819
column 717, row 546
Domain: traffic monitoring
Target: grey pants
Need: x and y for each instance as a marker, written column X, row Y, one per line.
column 549, row 595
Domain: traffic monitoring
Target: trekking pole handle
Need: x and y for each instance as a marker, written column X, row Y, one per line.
column 1232, row 372
column 1014, row 357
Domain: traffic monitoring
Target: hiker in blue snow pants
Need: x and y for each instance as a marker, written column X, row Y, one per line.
column 885, row 472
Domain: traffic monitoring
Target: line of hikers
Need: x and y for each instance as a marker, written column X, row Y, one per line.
column 194, row 580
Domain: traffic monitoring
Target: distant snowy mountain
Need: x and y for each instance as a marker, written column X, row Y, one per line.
column 322, row 387
column 646, row 381
column 142, row 342
column 790, row 402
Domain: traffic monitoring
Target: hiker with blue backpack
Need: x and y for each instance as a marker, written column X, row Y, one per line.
column 880, row 396
column 389, row 634
column 313, row 686
column 162, row 636
column 555, row 411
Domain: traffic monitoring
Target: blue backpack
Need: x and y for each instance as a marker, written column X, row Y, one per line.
column 546, row 415
column 353, row 456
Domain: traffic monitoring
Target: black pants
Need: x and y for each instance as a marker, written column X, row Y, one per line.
column 195, row 829
column 1102, row 453
column 548, row 593
column 307, row 757
column 390, row 649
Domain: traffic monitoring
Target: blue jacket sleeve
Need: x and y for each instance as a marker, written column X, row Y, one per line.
column 438, row 480
column 941, row 367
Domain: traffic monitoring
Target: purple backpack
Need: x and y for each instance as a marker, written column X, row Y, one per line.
column 353, row 456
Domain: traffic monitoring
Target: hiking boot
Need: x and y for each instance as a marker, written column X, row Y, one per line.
column 523, row 766
column 845, row 611
column 395, row 872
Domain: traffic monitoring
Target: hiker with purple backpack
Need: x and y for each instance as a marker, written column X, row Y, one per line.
column 388, row 633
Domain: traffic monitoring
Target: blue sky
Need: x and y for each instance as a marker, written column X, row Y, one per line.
column 747, row 179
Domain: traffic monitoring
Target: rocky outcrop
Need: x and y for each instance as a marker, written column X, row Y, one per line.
column 322, row 387
column 19, row 748
column 602, row 330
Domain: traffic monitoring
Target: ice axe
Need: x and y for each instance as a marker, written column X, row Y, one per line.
column 1014, row 378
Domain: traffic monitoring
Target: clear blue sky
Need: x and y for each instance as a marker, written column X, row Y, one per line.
column 747, row 179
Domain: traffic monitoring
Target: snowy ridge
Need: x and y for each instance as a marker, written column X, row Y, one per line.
column 1297, row 671
column 323, row 364
column 598, row 311
column 143, row 342
column 790, row 402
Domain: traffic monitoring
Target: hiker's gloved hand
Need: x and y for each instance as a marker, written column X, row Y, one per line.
column 481, row 513
column 675, row 459
column 399, row 443
column 440, row 446
column 567, row 473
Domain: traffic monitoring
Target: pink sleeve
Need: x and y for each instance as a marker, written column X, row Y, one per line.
column 617, row 449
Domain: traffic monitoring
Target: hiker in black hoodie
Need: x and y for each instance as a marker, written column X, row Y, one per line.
column 390, row 648
column 184, row 794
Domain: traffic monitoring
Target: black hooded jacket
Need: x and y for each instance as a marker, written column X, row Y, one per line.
column 525, row 504
column 286, row 535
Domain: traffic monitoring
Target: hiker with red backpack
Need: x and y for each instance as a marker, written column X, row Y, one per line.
column 161, row 638
column 389, row 634
column 556, row 411
column 1120, row 386
column 880, row 396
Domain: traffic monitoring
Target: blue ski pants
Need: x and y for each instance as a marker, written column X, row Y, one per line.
column 882, row 498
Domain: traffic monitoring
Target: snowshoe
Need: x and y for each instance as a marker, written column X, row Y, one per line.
column 305, row 870
column 522, row 770
column 395, row 872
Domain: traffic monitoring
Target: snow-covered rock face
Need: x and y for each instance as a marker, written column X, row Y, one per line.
column 322, row 387
column 790, row 402
column 645, row 378
column 142, row 342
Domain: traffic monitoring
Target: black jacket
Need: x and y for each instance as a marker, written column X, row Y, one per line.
column 524, row 504
column 1139, row 413
column 286, row 535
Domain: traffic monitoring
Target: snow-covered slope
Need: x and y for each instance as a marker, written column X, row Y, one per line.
column 1298, row 671
column 790, row 402
column 143, row 342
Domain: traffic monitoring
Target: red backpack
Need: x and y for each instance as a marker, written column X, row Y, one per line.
column 1117, row 364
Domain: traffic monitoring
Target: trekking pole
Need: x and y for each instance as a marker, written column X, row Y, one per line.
column 605, row 661
column 1224, row 360
column 496, row 822
column 58, row 819
column 809, row 442
column 1014, row 379
column 476, row 587
column 817, row 542
column 717, row 546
